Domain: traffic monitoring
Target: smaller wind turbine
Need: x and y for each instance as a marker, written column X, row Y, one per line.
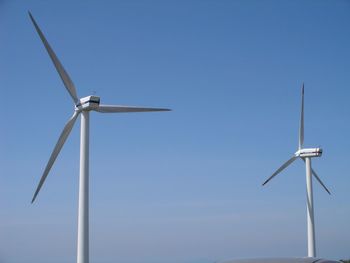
column 305, row 154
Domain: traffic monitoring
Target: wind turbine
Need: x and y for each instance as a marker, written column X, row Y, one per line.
column 305, row 154
column 82, row 106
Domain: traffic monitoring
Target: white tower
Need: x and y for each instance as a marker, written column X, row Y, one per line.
column 305, row 154
column 82, row 107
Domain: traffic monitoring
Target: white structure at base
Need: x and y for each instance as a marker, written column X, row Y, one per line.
column 280, row 260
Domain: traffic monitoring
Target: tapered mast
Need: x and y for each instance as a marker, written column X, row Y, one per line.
column 83, row 213
column 311, row 242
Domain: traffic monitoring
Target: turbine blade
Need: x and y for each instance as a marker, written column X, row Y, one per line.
column 281, row 169
column 66, row 130
column 319, row 180
column 125, row 109
column 68, row 83
column 301, row 127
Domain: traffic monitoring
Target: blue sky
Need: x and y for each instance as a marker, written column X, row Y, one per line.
column 181, row 186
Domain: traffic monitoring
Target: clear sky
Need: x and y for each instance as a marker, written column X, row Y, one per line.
column 181, row 186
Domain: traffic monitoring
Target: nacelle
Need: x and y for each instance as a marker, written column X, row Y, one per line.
column 88, row 103
column 310, row 152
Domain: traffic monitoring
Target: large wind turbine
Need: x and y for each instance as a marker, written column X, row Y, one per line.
column 305, row 154
column 82, row 106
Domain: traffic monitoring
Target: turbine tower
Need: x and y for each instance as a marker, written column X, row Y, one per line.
column 305, row 154
column 82, row 106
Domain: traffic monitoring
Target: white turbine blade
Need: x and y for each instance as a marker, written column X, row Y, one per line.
column 319, row 180
column 68, row 83
column 67, row 129
column 301, row 127
column 281, row 169
column 125, row 109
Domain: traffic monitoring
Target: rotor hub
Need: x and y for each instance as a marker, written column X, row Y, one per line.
column 88, row 103
column 309, row 152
